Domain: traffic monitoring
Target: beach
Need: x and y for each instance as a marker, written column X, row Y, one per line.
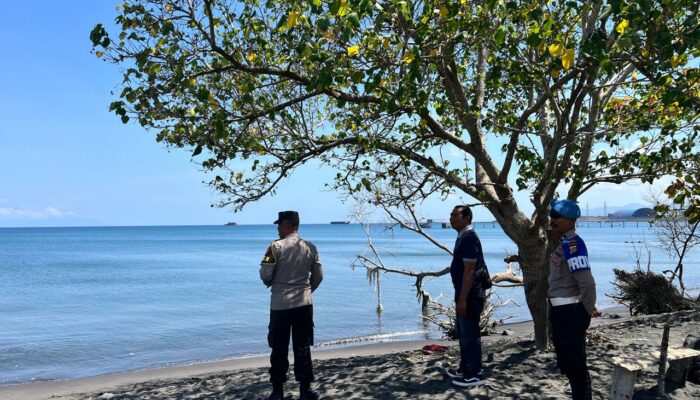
column 401, row 370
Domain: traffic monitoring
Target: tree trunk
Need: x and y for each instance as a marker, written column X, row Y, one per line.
column 533, row 249
column 532, row 255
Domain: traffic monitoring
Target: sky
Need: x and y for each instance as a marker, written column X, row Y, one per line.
column 65, row 160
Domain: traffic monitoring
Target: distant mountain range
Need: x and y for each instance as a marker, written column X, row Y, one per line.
column 600, row 211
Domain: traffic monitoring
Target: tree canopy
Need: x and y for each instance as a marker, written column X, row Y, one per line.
column 540, row 96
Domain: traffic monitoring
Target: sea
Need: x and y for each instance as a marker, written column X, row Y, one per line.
column 77, row 302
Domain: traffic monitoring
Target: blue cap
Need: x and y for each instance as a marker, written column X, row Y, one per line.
column 566, row 208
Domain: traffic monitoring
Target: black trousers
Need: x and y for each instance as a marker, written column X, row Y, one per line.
column 300, row 322
column 569, row 324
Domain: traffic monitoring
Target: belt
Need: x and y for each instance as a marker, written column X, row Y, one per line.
column 562, row 301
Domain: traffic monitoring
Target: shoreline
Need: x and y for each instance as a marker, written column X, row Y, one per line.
column 63, row 389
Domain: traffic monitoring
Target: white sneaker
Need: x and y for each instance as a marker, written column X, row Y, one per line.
column 473, row 381
column 454, row 373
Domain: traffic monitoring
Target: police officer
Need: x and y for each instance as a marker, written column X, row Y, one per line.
column 571, row 297
column 292, row 268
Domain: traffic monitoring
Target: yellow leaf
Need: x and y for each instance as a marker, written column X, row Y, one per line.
column 192, row 82
column 168, row 8
column 554, row 73
column 423, row 122
column 386, row 43
column 98, row 54
column 354, row 50
column 567, row 61
column 555, row 50
column 252, row 57
column 433, row 52
column 675, row 61
column 292, row 19
column 409, row 58
column 444, row 11
column 620, row 28
column 191, row 112
column 343, row 8
column 541, row 46
column 645, row 53
column 634, row 75
column 463, row 1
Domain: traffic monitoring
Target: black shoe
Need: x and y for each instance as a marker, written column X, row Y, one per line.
column 276, row 395
column 309, row 394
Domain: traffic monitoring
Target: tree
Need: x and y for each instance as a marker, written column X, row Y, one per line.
column 677, row 235
column 538, row 96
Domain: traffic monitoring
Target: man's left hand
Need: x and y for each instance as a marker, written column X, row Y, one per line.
column 462, row 309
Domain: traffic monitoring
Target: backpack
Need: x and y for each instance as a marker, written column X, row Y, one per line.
column 483, row 276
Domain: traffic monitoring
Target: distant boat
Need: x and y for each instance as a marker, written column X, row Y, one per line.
column 231, row 224
column 339, row 222
column 426, row 224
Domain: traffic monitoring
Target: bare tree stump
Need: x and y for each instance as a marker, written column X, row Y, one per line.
column 661, row 379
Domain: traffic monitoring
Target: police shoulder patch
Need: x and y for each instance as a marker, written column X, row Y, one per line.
column 572, row 245
column 269, row 258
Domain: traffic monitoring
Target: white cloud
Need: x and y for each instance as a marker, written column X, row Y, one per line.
column 46, row 213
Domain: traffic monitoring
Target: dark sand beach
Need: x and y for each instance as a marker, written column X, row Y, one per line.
column 400, row 370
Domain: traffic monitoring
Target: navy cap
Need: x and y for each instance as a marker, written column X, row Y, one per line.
column 566, row 208
column 292, row 216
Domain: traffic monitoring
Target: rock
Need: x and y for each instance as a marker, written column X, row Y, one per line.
column 507, row 332
column 693, row 342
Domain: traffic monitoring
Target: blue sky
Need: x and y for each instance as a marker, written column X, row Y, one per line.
column 65, row 160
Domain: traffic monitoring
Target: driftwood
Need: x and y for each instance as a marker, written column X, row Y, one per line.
column 645, row 292
column 507, row 276
column 443, row 316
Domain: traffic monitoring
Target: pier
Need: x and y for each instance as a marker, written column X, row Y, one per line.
column 599, row 222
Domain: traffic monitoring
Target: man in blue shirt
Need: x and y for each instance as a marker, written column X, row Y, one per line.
column 467, row 262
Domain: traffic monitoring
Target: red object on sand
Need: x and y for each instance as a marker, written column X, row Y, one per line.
column 429, row 348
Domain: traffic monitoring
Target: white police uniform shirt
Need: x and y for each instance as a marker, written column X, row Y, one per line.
column 292, row 268
column 570, row 271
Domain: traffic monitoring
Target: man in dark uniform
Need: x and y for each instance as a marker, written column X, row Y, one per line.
column 467, row 265
column 292, row 268
column 571, row 297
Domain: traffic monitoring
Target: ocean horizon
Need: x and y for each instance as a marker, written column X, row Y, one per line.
column 85, row 301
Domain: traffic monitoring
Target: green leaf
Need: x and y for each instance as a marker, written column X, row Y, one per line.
column 358, row 76
column 197, row 151
column 500, row 36
column 323, row 24
column 97, row 33
column 534, row 39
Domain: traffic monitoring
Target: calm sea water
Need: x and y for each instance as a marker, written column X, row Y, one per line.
column 78, row 302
